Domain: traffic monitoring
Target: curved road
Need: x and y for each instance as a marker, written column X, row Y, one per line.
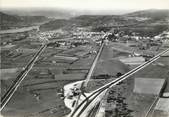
column 86, row 106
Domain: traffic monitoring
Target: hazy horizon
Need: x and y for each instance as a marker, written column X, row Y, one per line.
column 90, row 5
column 65, row 13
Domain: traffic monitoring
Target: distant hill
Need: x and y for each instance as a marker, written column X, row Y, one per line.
column 9, row 21
column 139, row 18
column 153, row 13
column 33, row 19
column 56, row 24
column 97, row 22
column 47, row 12
column 5, row 18
column 88, row 20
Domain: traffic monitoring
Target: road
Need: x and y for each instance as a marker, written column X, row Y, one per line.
column 10, row 92
column 88, row 77
column 93, row 65
column 68, row 89
column 86, row 106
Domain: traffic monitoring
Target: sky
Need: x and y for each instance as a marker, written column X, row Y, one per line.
column 87, row 4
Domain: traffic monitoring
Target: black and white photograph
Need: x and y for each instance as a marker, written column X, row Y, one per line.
column 84, row 58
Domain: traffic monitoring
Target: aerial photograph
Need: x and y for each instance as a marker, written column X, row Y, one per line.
column 84, row 58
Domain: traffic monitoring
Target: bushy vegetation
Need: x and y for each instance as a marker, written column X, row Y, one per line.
column 121, row 107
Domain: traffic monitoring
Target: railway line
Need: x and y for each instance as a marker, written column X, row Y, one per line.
column 10, row 92
column 83, row 108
